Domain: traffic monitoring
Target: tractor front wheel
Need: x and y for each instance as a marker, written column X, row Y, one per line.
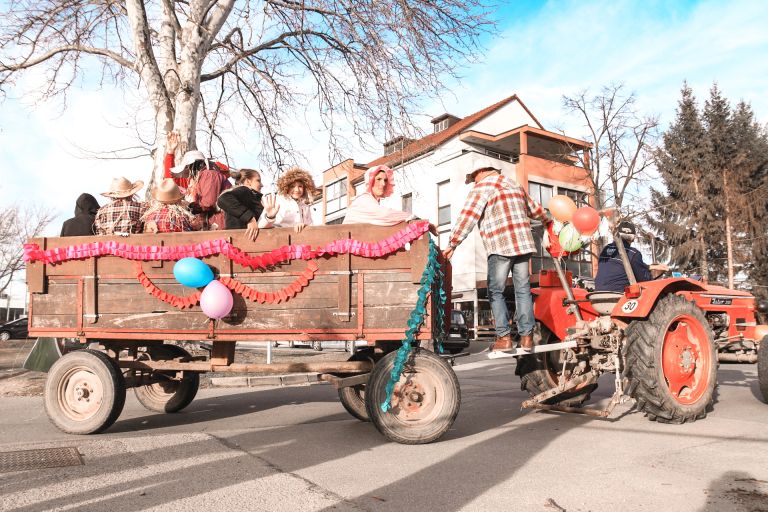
column 672, row 362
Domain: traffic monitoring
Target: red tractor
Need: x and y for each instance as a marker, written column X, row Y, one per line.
column 657, row 343
column 659, row 338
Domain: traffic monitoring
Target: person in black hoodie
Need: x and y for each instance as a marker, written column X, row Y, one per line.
column 242, row 205
column 81, row 224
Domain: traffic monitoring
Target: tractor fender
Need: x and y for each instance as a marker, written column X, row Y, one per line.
column 650, row 293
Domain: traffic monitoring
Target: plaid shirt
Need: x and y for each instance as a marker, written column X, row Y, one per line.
column 120, row 216
column 167, row 221
column 502, row 209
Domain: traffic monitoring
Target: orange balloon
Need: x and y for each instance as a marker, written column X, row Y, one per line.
column 562, row 208
column 586, row 220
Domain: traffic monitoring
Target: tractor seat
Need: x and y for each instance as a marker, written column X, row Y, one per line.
column 604, row 302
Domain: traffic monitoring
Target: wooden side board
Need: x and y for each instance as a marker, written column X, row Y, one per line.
column 350, row 297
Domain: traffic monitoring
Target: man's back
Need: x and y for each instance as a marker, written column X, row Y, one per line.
column 611, row 275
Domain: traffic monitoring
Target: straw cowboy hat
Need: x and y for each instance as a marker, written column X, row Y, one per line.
column 480, row 163
column 167, row 192
column 121, row 187
column 293, row 175
column 189, row 158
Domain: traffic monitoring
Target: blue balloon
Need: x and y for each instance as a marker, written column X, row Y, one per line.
column 192, row 272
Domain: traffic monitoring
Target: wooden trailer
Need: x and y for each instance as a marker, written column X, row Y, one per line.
column 118, row 297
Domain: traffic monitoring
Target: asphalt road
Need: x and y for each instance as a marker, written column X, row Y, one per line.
column 297, row 449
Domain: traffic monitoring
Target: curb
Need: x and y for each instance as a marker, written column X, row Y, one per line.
column 294, row 379
column 12, row 373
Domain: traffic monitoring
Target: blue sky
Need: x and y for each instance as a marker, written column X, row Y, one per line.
column 543, row 50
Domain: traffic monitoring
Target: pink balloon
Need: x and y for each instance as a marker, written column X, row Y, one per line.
column 586, row 220
column 216, row 300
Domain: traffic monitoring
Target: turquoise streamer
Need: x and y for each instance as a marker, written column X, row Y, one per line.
column 432, row 275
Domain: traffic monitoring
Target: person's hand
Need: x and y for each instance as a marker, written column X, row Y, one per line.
column 252, row 231
column 545, row 243
column 269, row 202
column 448, row 253
column 150, row 227
column 171, row 142
column 298, row 227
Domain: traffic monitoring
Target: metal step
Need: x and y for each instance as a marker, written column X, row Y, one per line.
column 501, row 354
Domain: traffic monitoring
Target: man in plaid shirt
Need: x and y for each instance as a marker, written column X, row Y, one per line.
column 123, row 214
column 502, row 211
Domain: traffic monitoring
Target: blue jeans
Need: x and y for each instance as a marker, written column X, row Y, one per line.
column 498, row 270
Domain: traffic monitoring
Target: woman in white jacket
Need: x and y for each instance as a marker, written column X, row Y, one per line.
column 291, row 206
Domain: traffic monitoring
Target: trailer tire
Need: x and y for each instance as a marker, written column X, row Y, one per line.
column 353, row 397
column 539, row 372
column 425, row 401
column 84, row 392
column 762, row 368
column 169, row 395
column 672, row 362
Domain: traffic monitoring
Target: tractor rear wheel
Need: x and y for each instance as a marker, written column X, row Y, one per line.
column 762, row 367
column 672, row 362
column 541, row 372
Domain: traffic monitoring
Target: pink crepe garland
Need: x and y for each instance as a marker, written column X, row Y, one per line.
column 411, row 232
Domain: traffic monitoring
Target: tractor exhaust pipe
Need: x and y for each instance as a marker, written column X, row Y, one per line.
column 736, row 358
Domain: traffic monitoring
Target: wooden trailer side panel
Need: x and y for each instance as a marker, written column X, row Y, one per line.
column 350, row 297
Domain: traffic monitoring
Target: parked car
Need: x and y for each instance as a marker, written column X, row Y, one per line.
column 14, row 329
column 458, row 336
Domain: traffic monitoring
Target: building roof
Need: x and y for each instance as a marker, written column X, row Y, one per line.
column 433, row 140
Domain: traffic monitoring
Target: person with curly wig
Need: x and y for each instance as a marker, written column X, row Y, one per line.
column 290, row 207
column 365, row 208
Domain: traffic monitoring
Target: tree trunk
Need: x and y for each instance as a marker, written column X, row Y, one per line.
column 702, row 243
column 728, row 242
column 148, row 69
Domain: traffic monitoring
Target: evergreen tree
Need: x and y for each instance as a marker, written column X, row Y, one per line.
column 682, row 214
column 751, row 162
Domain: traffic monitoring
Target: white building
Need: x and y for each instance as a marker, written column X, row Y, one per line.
column 430, row 174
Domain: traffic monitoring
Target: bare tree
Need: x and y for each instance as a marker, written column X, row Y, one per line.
column 622, row 141
column 17, row 225
column 369, row 62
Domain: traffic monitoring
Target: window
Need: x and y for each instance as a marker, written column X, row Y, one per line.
column 359, row 187
column 540, row 193
column 443, row 214
column 336, row 196
column 442, row 125
column 443, row 203
column 408, row 203
column 579, row 197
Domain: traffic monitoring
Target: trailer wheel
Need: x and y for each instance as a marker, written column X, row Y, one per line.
column 540, row 372
column 84, row 392
column 353, row 397
column 168, row 395
column 425, row 401
column 672, row 362
column 762, row 367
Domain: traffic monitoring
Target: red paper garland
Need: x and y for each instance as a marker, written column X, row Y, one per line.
column 169, row 298
column 236, row 286
column 282, row 295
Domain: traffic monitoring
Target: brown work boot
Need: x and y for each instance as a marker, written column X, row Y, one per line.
column 526, row 342
column 503, row 343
